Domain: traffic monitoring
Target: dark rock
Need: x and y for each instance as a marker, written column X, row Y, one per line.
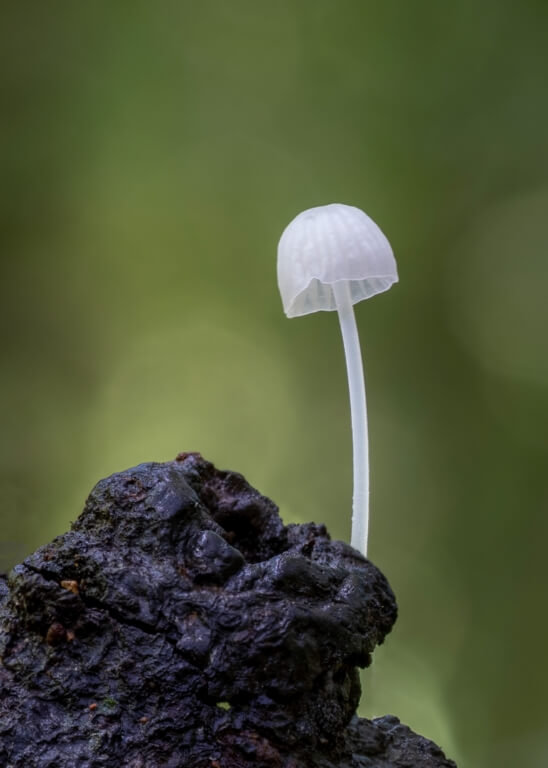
column 180, row 623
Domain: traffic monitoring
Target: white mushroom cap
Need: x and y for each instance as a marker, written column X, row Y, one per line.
column 326, row 245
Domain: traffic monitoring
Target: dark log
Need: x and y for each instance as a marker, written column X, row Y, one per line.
column 180, row 623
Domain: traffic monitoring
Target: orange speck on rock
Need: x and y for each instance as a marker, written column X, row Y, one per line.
column 71, row 585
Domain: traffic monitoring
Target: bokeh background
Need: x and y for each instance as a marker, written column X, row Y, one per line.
column 151, row 155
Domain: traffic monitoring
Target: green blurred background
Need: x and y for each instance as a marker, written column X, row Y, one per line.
column 151, row 155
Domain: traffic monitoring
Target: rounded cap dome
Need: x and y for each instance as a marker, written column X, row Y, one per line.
column 328, row 244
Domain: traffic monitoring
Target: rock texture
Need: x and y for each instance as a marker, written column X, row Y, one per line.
column 180, row 623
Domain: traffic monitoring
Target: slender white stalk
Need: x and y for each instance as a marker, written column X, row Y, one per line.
column 358, row 413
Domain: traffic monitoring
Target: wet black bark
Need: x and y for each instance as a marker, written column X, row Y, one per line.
column 180, row 623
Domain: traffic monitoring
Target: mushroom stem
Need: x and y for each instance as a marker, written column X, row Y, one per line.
column 358, row 413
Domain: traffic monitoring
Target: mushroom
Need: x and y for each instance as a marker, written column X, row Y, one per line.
column 331, row 257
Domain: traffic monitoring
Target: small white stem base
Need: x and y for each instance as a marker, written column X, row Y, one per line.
column 358, row 412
